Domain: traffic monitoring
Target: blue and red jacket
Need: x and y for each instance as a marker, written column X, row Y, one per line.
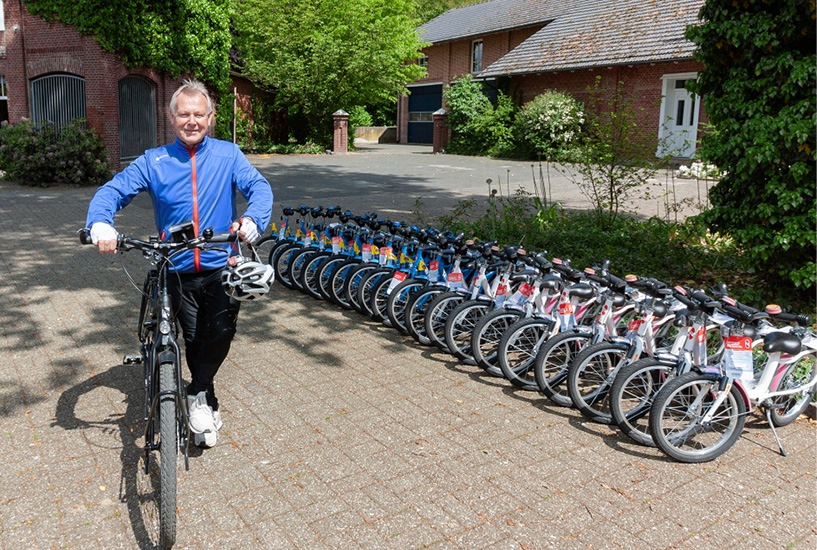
column 196, row 184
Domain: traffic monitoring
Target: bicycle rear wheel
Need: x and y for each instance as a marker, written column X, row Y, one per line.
column 168, row 449
column 677, row 418
column 785, row 409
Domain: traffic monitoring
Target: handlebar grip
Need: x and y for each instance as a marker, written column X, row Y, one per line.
column 84, row 236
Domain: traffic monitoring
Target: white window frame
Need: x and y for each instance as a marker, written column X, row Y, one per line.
column 3, row 91
column 474, row 44
column 2, row 16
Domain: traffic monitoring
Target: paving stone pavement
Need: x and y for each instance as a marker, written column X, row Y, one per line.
column 339, row 433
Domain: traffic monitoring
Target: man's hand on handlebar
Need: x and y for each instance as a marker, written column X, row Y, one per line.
column 246, row 229
column 104, row 237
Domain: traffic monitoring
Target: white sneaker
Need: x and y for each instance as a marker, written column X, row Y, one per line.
column 206, row 439
column 217, row 420
column 201, row 415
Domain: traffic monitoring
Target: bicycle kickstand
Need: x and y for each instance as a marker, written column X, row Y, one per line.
column 774, row 431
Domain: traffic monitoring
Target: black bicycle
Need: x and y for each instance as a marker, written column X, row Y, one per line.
column 165, row 413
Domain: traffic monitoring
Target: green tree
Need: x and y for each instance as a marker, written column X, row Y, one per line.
column 758, row 87
column 175, row 36
column 323, row 55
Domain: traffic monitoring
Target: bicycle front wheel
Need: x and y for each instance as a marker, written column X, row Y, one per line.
column 590, row 377
column 460, row 325
column 437, row 314
column 398, row 301
column 552, row 363
column 486, row 336
column 168, row 449
column 518, row 348
column 686, row 426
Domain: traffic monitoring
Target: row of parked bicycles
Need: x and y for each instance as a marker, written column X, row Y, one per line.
column 671, row 366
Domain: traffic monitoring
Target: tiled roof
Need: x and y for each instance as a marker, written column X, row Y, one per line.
column 600, row 33
column 489, row 17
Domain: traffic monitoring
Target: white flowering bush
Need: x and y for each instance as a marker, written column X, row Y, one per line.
column 550, row 125
column 699, row 170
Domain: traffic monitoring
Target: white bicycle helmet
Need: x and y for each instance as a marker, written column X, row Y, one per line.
column 246, row 279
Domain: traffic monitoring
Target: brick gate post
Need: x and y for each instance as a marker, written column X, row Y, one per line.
column 340, row 119
column 442, row 134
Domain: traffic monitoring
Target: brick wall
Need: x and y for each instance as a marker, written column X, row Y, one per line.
column 38, row 48
column 449, row 60
column 642, row 83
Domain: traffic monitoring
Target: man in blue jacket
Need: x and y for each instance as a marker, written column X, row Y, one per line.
column 193, row 178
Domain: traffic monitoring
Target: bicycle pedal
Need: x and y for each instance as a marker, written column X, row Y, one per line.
column 132, row 360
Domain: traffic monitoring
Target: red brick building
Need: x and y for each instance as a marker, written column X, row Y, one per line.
column 526, row 47
column 49, row 71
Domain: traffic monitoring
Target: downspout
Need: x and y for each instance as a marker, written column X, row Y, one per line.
column 25, row 64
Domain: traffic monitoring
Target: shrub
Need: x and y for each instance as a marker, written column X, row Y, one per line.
column 358, row 116
column 477, row 127
column 41, row 155
column 549, row 126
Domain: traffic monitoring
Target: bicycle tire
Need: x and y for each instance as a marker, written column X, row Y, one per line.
column 552, row 363
column 337, row 284
column 416, row 309
column 324, row 276
column 632, row 395
column 437, row 314
column 309, row 275
column 460, row 325
column 785, row 409
column 352, row 284
column 283, row 258
column 276, row 249
column 486, row 336
column 517, row 350
column 366, row 287
column 297, row 264
column 265, row 245
column 379, row 299
column 398, row 300
column 676, row 412
column 590, row 376
column 168, row 450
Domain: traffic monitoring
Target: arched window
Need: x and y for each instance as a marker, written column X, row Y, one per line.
column 58, row 99
column 137, row 116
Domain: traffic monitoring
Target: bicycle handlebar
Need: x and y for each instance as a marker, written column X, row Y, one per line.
column 126, row 243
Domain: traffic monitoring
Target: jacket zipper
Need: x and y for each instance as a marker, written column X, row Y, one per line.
column 196, row 251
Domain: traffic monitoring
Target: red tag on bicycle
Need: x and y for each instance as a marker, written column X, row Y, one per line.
column 526, row 290
column 455, row 277
column 434, row 265
column 635, row 324
column 738, row 343
column 565, row 308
